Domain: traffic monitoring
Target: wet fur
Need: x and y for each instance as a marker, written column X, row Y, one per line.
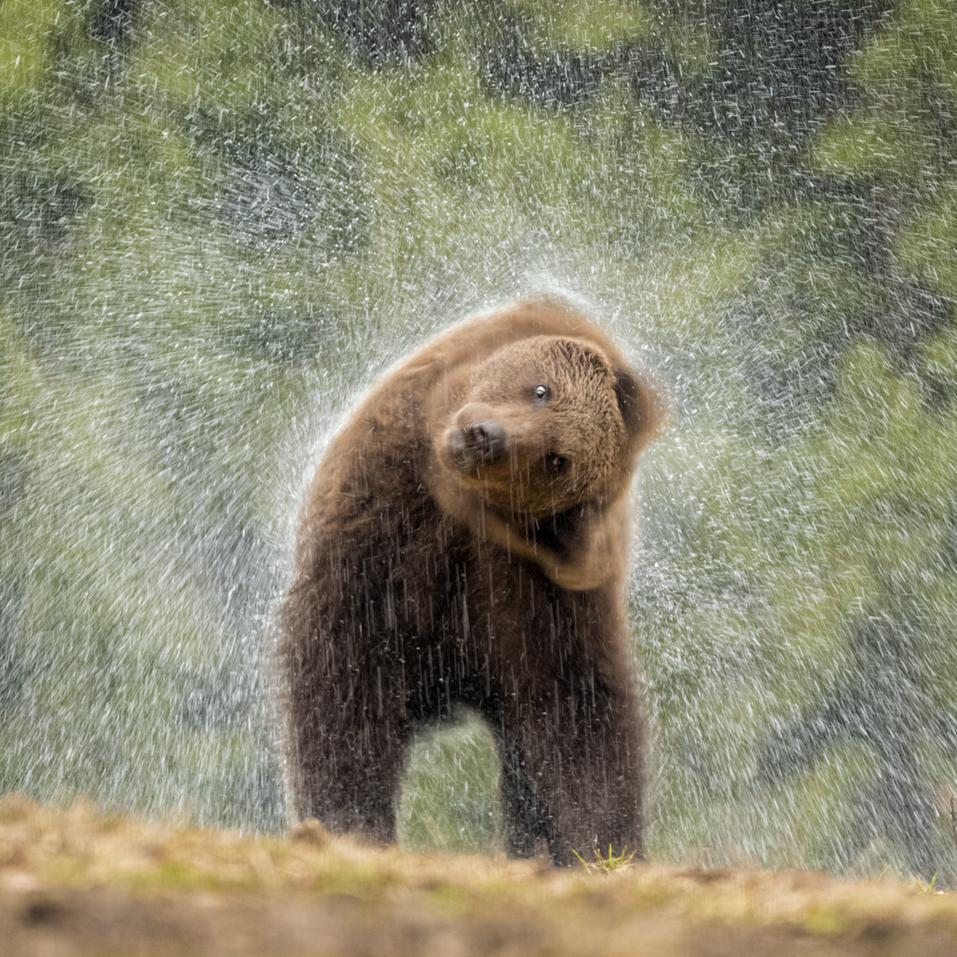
column 415, row 592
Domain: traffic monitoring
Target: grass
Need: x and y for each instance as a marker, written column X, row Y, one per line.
column 607, row 862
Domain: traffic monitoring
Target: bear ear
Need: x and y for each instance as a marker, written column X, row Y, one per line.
column 584, row 355
column 640, row 405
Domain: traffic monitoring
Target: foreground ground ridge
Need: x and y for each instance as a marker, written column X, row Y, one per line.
column 85, row 882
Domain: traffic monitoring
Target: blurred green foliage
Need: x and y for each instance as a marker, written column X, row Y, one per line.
column 217, row 220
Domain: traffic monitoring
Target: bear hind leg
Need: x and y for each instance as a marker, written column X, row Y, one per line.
column 525, row 816
column 581, row 763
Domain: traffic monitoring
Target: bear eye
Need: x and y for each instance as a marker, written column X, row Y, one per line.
column 541, row 392
column 555, row 464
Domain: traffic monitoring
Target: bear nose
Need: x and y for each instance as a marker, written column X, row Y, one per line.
column 484, row 442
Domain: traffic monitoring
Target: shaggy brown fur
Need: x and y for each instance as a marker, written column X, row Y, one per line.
column 464, row 541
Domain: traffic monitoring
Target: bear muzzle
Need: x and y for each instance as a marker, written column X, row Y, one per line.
column 479, row 444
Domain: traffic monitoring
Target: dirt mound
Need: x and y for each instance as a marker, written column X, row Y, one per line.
column 80, row 882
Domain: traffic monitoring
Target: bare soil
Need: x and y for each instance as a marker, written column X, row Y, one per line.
column 81, row 882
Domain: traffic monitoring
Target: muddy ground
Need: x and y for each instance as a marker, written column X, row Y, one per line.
column 81, row 882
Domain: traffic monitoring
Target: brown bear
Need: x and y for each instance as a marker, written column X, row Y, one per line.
column 464, row 542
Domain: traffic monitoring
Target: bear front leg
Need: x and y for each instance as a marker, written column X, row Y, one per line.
column 346, row 736
column 583, row 763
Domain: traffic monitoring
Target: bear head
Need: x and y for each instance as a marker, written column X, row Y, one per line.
column 545, row 424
